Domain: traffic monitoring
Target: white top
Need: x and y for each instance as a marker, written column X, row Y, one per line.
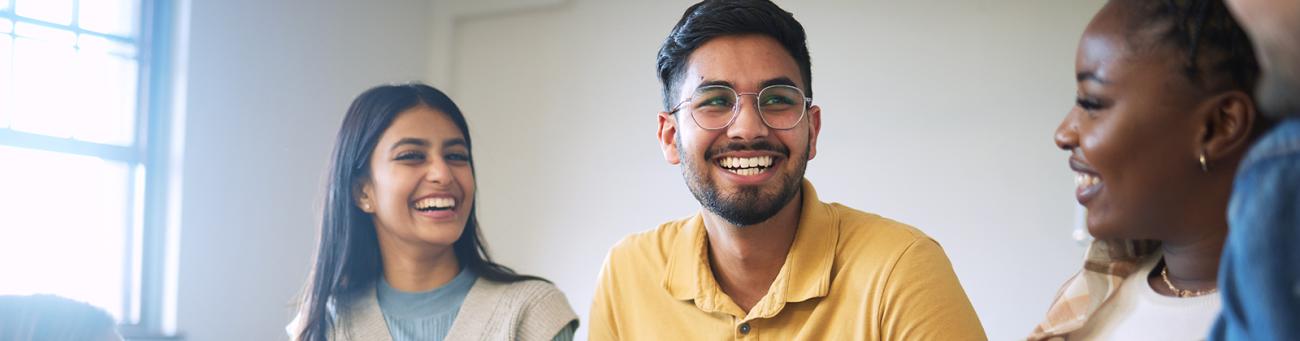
column 1137, row 312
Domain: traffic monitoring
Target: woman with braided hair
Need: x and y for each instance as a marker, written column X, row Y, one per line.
column 1163, row 116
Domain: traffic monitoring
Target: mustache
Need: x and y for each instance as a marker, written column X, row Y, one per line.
column 736, row 146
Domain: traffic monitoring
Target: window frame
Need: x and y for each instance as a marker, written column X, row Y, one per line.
column 150, row 248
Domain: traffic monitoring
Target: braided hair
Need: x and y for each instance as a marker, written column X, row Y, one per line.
column 1217, row 53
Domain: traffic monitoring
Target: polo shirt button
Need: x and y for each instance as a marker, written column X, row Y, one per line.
column 744, row 328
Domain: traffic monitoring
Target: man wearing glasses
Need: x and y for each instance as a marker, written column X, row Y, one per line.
column 765, row 259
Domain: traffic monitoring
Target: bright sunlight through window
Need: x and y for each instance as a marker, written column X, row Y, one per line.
column 73, row 160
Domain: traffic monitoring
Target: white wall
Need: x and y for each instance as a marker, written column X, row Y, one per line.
column 936, row 113
column 269, row 82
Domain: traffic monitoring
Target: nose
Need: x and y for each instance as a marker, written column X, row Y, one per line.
column 438, row 172
column 1067, row 133
column 749, row 121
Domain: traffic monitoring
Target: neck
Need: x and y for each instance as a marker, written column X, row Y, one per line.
column 1194, row 264
column 1193, row 246
column 746, row 259
column 417, row 267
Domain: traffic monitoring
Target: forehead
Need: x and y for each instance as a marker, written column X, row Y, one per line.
column 421, row 122
column 1112, row 47
column 745, row 61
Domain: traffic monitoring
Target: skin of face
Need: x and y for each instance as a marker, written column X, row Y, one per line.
column 421, row 156
column 1274, row 28
column 747, row 63
column 1135, row 133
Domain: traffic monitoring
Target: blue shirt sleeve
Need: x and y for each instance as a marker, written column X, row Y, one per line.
column 1258, row 275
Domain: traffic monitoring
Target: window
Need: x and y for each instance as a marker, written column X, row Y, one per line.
column 82, row 124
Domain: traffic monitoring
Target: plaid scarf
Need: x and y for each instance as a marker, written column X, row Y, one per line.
column 1105, row 265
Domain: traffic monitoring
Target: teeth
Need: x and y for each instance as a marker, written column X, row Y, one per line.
column 747, row 162
column 747, row 171
column 428, row 203
column 1085, row 180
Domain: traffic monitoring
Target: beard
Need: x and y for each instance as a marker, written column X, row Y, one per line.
column 750, row 204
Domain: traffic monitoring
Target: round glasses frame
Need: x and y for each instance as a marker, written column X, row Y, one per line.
column 735, row 107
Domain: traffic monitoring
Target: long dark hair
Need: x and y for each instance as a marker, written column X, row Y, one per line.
column 347, row 256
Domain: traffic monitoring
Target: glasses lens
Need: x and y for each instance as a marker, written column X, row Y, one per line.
column 712, row 106
column 782, row 106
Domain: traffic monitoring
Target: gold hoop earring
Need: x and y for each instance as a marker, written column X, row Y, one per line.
column 1204, row 167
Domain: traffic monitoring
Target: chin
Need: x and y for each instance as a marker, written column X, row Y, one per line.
column 440, row 237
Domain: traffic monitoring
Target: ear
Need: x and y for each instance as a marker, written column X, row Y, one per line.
column 667, row 135
column 1228, row 126
column 364, row 192
column 815, row 126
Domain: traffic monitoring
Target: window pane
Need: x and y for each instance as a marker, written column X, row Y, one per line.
column 55, row 11
column 63, row 218
column 116, row 17
column 4, row 5
column 46, row 34
column 42, row 103
column 104, row 111
column 6, row 26
column 93, row 43
column 88, row 95
column 6, row 80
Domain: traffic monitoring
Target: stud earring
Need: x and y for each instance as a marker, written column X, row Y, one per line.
column 1204, row 167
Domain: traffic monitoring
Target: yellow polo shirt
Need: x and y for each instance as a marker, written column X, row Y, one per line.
column 850, row 275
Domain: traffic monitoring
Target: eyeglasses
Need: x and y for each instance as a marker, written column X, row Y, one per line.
column 715, row 107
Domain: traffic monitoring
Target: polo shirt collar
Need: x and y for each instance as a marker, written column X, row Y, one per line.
column 806, row 273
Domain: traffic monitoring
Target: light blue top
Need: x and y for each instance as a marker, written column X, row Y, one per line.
column 423, row 315
column 428, row 315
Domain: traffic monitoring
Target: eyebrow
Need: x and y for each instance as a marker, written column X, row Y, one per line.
column 1089, row 75
column 418, row 142
column 457, row 141
column 774, row 81
column 410, row 141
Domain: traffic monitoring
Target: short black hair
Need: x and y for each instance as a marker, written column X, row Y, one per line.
column 1218, row 55
column 714, row 18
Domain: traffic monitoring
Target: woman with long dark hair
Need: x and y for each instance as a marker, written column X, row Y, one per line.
column 400, row 255
column 1163, row 117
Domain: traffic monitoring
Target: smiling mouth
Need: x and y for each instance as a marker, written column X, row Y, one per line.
column 435, row 204
column 746, row 165
column 1087, row 186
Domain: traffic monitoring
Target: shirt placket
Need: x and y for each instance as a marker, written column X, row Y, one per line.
column 744, row 330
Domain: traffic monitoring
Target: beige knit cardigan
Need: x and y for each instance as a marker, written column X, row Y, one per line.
column 526, row 311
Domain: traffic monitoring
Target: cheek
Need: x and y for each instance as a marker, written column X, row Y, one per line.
column 694, row 142
column 465, row 178
column 796, row 140
column 392, row 187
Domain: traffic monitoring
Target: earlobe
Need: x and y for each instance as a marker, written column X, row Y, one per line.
column 667, row 135
column 363, row 198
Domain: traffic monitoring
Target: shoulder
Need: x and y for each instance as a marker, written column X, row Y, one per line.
column 1283, row 142
column 870, row 243
column 862, row 229
column 536, row 308
column 523, row 294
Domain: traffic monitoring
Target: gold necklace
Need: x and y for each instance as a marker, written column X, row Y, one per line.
column 1164, row 274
